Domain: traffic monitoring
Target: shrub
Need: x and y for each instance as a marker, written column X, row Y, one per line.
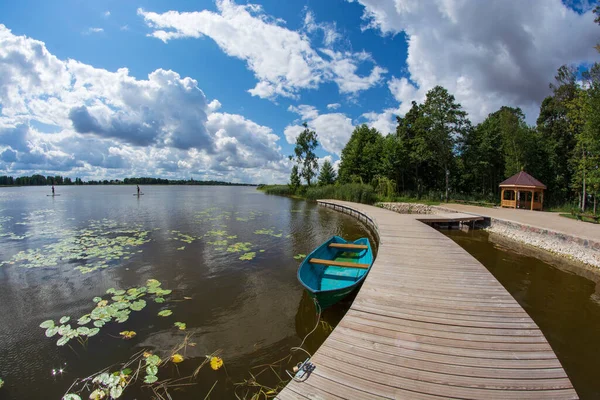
column 279, row 190
column 355, row 192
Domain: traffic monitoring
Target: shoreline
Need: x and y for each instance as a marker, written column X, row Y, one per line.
column 565, row 245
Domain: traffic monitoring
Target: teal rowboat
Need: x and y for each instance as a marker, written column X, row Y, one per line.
column 335, row 268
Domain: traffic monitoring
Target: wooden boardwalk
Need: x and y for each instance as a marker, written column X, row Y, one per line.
column 430, row 322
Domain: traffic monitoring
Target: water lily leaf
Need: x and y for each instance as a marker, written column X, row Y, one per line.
column 248, row 256
column 180, row 325
column 151, row 370
column 64, row 329
column 127, row 371
column 163, row 292
column 299, row 256
column 117, row 298
column 1, row 383
column 138, row 305
column 84, row 320
column 97, row 394
column 159, row 300
column 120, row 292
column 83, row 330
column 102, row 303
column 152, row 283
column 152, row 359
column 181, row 248
column 64, row 320
column 116, row 392
column 150, row 379
column 99, row 323
column 216, row 363
column 96, row 299
column 111, row 291
column 93, row 332
column 51, row 331
column 62, row 341
column 47, row 324
column 70, row 396
column 177, row 358
column 165, row 313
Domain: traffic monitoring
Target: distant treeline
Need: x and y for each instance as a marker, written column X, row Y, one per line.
column 41, row 180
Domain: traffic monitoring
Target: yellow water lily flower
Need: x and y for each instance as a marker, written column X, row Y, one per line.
column 127, row 334
column 147, row 354
column 216, row 363
column 177, row 358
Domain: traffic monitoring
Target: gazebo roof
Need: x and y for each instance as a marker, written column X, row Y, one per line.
column 523, row 179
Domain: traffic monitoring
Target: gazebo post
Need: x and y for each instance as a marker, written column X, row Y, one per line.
column 541, row 200
column 532, row 200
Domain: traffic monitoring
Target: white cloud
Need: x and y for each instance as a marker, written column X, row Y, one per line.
column 333, row 106
column 282, row 60
column 385, row 122
column 106, row 14
column 100, row 121
column 333, row 129
column 487, row 53
column 329, row 30
column 93, row 30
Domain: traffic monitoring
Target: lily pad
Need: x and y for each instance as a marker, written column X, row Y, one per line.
column 165, row 313
column 64, row 320
column 248, row 256
column 180, row 325
column 47, row 324
column 150, row 379
column 151, row 370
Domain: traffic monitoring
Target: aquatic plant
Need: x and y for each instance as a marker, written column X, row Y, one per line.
column 98, row 246
column 215, row 362
column 176, row 358
column 248, row 256
column 1, row 383
column 269, row 232
column 123, row 303
column 299, row 256
column 180, row 325
column 239, row 247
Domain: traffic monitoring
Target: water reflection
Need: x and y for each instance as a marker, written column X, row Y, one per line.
column 253, row 310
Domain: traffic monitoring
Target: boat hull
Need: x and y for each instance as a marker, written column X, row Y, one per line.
column 329, row 284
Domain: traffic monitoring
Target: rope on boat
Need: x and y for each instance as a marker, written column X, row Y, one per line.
column 305, row 367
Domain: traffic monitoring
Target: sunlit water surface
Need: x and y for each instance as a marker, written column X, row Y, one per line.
column 190, row 239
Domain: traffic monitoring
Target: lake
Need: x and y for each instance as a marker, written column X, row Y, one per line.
column 226, row 253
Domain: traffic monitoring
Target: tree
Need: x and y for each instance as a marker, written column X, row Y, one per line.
column 327, row 175
column 295, row 178
column 445, row 123
column 304, row 153
column 361, row 158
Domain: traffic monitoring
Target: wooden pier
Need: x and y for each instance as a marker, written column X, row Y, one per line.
column 430, row 322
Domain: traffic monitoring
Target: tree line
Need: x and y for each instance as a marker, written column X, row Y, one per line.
column 41, row 180
column 437, row 153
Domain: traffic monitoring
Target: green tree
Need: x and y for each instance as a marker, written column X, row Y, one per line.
column 327, row 175
column 295, row 178
column 304, row 153
column 444, row 123
column 361, row 157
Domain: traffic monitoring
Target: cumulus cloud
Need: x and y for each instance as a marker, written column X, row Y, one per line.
column 333, row 106
column 333, row 129
column 487, row 53
column 282, row 60
column 101, row 120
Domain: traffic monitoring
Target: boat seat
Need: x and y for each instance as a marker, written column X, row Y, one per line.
column 338, row 263
column 348, row 246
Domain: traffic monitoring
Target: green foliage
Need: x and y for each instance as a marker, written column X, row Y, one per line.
column 361, row 156
column 327, row 176
column 349, row 192
column 304, row 154
column 294, row 179
column 279, row 190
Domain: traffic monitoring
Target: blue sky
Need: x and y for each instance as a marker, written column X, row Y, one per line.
column 218, row 90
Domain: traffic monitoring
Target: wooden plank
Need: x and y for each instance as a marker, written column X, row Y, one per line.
column 333, row 263
column 348, row 246
column 431, row 322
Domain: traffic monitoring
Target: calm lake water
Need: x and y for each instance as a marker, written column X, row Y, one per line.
column 61, row 252
column 562, row 298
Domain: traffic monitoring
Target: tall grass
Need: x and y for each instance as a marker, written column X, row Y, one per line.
column 355, row 192
column 279, row 190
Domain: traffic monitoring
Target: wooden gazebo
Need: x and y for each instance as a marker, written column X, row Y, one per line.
column 522, row 191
